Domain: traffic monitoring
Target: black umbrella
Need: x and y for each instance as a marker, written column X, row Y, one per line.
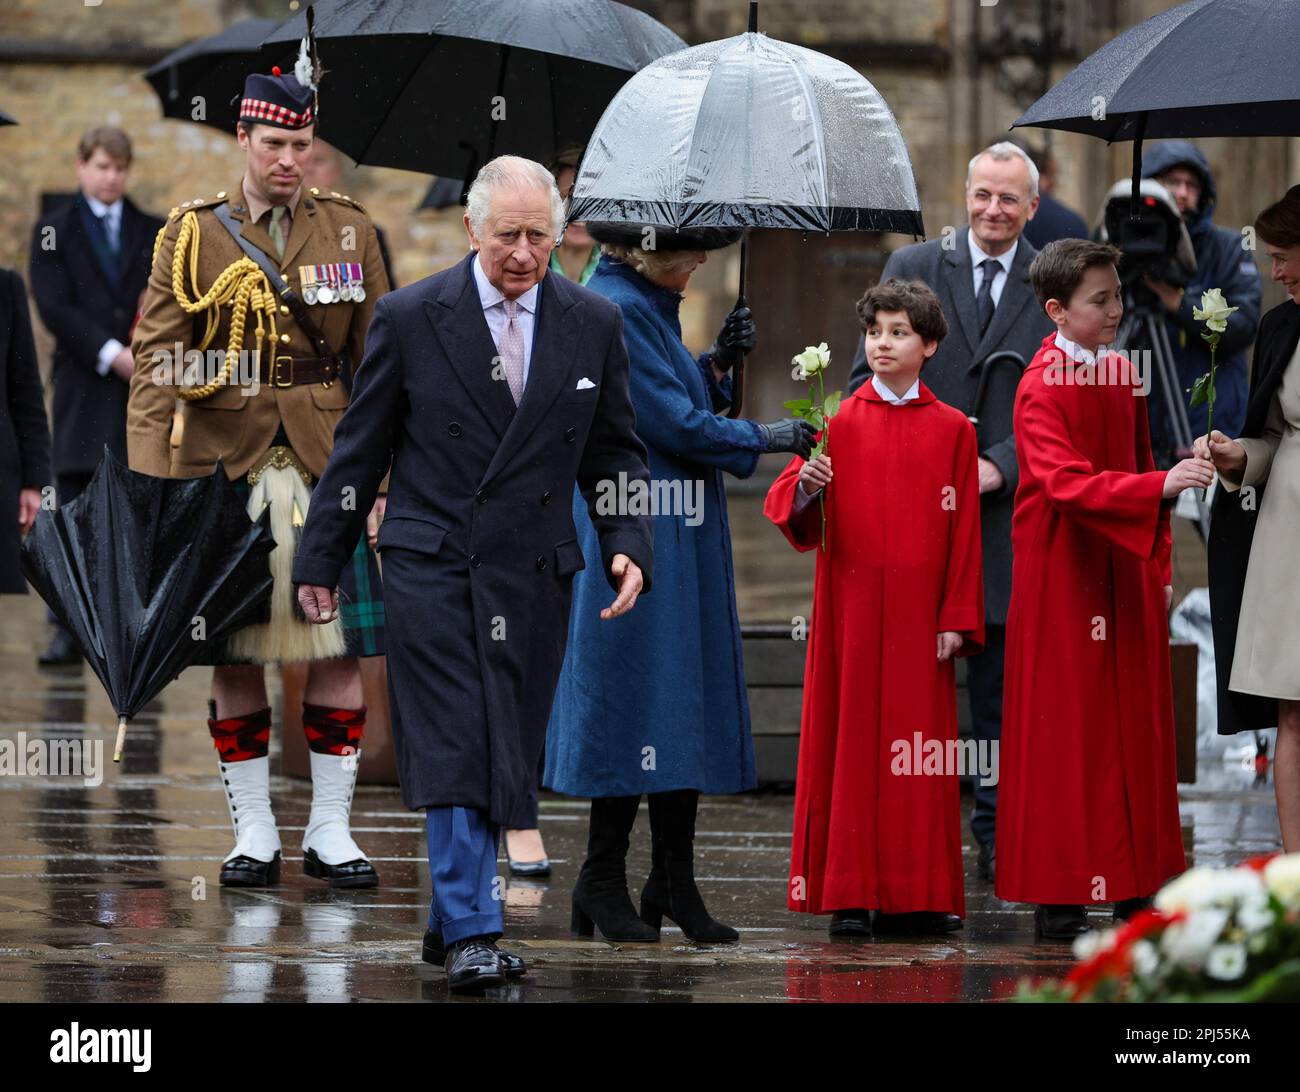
column 442, row 86
column 748, row 132
column 1205, row 68
column 134, row 562
column 211, row 70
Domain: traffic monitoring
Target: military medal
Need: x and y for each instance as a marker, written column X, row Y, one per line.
column 326, row 291
column 358, row 285
column 307, row 275
column 345, row 281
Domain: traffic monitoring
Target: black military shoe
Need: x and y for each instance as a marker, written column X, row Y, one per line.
column 433, row 952
column 1060, row 922
column 474, row 964
column 250, row 872
column 358, row 873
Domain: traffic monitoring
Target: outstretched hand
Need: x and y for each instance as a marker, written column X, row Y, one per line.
column 630, row 583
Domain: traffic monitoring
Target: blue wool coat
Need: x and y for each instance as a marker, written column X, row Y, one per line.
column 655, row 700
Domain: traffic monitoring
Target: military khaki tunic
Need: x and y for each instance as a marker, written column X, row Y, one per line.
column 326, row 229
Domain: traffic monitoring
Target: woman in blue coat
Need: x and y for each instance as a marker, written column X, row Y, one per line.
column 654, row 702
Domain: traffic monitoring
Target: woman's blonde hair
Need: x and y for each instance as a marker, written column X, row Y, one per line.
column 652, row 264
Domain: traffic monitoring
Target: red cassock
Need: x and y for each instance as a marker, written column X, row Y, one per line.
column 878, row 825
column 1088, row 798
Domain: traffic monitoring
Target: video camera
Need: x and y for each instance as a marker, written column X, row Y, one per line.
column 1153, row 243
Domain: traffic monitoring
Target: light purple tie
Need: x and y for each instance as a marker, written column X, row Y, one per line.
column 511, row 348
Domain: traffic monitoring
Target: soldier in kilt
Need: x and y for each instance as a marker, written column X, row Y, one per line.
column 263, row 394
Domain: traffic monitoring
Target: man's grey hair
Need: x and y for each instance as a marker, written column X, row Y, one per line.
column 513, row 171
column 1002, row 151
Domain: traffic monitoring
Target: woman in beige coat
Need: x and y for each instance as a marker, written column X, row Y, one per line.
column 1265, row 655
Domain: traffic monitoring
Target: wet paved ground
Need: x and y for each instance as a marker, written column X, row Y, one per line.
column 110, row 893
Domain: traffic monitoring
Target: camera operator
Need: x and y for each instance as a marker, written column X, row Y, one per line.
column 1221, row 262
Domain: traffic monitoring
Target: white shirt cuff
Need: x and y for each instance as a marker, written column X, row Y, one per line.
column 107, row 354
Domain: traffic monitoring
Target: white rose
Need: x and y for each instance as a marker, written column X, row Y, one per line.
column 1226, row 962
column 1188, row 942
column 814, row 359
column 1254, row 915
column 1214, row 310
column 1186, row 892
column 1282, row 878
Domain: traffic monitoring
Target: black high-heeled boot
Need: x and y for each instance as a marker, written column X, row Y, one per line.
column 670, row 891
column 600, row 897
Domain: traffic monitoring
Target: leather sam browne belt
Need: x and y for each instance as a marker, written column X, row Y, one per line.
column 282, row 370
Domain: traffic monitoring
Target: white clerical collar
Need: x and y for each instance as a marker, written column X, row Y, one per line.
column 100, row 209
column 978, row 254
column 1077, row 352
column 886, row 395
column 490, row 295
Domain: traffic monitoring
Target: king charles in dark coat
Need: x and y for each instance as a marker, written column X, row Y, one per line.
column 478, row 542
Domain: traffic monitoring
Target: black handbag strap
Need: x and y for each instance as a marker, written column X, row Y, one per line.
column 283, row 289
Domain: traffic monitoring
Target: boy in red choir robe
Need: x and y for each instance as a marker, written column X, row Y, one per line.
column 1088, row 794
column 898, row 595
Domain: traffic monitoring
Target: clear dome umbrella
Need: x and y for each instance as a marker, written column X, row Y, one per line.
column 748, row 132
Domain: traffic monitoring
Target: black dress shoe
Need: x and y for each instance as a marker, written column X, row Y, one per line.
column 433, row 952
column 1126, row 908
column 1056, row 922
column 987, row 861
column 537, row 870
column 917, row 923
column 358, row 873
column 250, row 872
column 851, row 923
column 63, row 650
column 474, row 964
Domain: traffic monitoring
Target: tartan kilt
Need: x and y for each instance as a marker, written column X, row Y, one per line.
column 361, row 599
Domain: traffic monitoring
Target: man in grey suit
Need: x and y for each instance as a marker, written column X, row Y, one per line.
column 981, row 276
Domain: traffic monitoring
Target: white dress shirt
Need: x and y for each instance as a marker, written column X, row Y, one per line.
column 802, row 499
column 1077, row 352
column 111, row 216
column 494, row 311
column 977, row 255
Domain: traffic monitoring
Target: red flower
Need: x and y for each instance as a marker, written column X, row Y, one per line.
column 1256, row 864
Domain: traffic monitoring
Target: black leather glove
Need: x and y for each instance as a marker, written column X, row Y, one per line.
column 794, row 434
column 736, row 339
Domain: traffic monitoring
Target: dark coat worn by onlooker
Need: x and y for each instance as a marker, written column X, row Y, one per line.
column 1222, row 261
column 24, row 432
column 87, row 297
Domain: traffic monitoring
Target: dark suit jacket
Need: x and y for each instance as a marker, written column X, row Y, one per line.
column 24, row 432
column 83, row 307
column 479, row 546
column 1232, row 526
column 1019, row 324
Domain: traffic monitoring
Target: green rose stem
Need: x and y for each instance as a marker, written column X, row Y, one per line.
column 825, row 445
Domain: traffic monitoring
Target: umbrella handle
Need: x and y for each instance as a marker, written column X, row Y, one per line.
column 121, row 740
column 737, row 377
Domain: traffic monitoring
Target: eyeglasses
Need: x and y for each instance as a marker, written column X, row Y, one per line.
column 1008, row 201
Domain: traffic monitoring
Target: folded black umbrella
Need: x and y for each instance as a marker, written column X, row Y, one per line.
column 442, row 86
column 211, row 70
column 143, row 570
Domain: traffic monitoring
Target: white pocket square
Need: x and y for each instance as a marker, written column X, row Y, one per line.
column 584, row 384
